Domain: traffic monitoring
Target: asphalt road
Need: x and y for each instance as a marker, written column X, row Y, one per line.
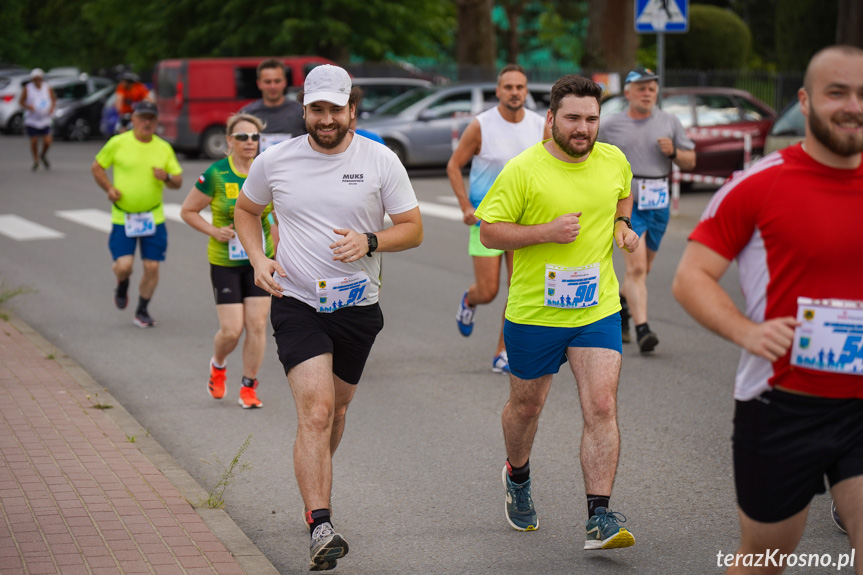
column 417, row 477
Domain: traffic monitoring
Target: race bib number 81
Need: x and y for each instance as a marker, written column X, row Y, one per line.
column 830, row 336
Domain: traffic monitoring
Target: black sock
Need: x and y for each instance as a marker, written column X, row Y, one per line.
column 624, row 311
column 519, row 475
column 248, row 382
column 641, row 330
column 594, row 501
column 123, row 287
column 316, row 517
column 142, row 305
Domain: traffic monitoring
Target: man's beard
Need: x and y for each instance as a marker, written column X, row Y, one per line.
column 845, row 146
column 329, row 142
column 563, row 143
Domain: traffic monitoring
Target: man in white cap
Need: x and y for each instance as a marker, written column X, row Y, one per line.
column 38, row 101
column 330, row 191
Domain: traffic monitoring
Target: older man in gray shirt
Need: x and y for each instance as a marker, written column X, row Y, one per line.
column 651, row 140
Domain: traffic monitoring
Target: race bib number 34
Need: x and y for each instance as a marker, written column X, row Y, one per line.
column 140, row 225
column 336, row 293
column 830, row 336
column 571, row 288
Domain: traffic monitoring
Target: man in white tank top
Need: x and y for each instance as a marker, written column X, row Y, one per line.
column 38, row 101
column 492, row 139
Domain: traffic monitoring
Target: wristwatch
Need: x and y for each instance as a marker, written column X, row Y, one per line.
column 373, row 243
column 625, row 220
column 167, row 177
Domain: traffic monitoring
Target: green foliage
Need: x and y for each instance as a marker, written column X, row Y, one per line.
column 216, row 497
column 14, row 41
column 717, row 40
column 802, row 28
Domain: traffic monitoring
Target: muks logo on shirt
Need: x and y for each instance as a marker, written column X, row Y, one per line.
column 352, row 179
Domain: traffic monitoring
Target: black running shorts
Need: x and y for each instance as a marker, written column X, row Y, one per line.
column 348, row 334
column 784, row 446
column 234, row 284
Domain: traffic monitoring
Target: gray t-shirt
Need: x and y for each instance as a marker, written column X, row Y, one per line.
column 283, row 122
column 637, row 139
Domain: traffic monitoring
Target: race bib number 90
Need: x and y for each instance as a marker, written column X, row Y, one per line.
column 572, row 288
column 830, row 336
column 336, row 293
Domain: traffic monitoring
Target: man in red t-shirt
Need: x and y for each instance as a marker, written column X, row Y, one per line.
column 790, row 223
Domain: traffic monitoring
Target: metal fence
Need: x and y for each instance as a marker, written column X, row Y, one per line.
column 776, row 89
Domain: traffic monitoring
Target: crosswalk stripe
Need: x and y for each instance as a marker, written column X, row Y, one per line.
column 22, row 229
column 172, row 212
column 439, row 211
column 96, row 219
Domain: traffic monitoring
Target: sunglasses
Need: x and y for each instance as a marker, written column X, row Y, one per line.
column 243, row 136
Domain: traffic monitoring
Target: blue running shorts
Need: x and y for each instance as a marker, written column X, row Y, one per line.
column 653, row 222
column 152, row 247
column 536, row 350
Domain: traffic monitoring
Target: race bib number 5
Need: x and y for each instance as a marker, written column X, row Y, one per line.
column 336, row 293
column 830, row 336
column 572, row 288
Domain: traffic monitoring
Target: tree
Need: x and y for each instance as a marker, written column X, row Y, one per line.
column 611, row 38
column 476, row 47
column 717, row 40
column 514, row 10
column 802, row 28
column 849, row 23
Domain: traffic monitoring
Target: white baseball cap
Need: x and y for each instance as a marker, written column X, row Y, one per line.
column 37, row 73
column 327, row 83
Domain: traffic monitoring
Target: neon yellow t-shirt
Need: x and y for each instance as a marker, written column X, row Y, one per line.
column 535, row 188
column 133, row 162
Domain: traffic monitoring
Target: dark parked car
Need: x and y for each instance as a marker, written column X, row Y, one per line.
column 79, row 107
column 419, row 125
column 713, row 108
column 789, row 128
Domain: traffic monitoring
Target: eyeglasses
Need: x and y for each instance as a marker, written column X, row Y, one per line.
column 243, row 136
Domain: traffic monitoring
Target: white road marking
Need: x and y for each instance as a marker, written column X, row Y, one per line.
column 439, row 211
column 97, row 219
column 22, row 229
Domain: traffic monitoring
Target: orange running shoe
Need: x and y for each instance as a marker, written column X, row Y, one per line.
column 249, row 398
column 217, row 381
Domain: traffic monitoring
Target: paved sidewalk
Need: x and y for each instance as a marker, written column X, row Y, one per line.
column 85, row 490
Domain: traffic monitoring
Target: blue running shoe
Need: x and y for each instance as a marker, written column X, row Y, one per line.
column 603, row 531
column 519, row 510
column 836, row 519
column 464, row 316
column 325, row 548
column 500, row 363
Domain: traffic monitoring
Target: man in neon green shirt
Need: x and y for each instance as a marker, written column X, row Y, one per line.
column 143, row 164
column 561, row 205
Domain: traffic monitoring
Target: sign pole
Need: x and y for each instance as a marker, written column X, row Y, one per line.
column 660, row 65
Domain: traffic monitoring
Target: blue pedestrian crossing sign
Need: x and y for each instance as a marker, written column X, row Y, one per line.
column 661, row 16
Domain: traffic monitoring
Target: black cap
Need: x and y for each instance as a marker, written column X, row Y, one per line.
column 640, row 74
column 145, row 107
column 130, row 76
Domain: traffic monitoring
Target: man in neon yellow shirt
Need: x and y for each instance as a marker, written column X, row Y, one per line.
column 143, row 164
column 561, row 205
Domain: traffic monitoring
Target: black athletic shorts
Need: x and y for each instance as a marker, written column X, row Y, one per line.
column 234, row 284
column 784, row 446
column 302, row 333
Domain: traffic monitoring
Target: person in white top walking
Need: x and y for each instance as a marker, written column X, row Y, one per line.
column 492, row 139
column 38, row 101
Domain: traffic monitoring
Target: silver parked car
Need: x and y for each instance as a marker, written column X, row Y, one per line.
column 420, row 124
column 379, row 91
column 11, row 113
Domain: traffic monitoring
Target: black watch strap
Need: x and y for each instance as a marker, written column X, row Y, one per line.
column 624, row 219
column 373, row 243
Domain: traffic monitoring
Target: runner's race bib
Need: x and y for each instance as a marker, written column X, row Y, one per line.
column 652, row 193
column 571, row 288
column 140, row 225
column 830, row 336
column 236, row 251
column 336, row 293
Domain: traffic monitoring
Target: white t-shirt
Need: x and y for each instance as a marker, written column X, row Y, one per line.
column 40, row 100
column 312, row 193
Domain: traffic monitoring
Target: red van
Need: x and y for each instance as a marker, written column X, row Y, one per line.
column 196, row 96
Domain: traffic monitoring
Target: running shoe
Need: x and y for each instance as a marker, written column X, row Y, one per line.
column 218, row 375
column 465, row 316
column 500, row 363
column 325, row 548
column 45, row 161
column 648, row 342
column 249, row 398
column 519, row 510
column 121, row 301
column 603, row 532
column 836, row 519
column 143, row 319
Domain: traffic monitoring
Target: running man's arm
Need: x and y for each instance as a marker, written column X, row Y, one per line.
column 22, row 100
column 624, row 237
column 468, row 146
column 405, row 233
column 696, row 287
column 247, row 224
column 101, row 177
column 510, row 236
